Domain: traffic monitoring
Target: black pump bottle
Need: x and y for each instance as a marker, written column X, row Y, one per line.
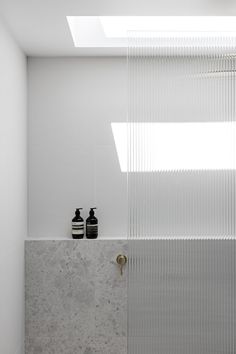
column 92, row 225
column 77, row 225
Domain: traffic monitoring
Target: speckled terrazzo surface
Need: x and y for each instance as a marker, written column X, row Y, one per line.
column 75, row 297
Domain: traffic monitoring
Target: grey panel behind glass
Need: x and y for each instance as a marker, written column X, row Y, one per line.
column 181, row 296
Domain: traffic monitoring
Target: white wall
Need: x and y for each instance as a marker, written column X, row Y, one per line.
column 13, row 210
column 72, row 156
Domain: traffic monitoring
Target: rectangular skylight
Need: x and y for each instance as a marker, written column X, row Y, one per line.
column 119, row 26
column 153, row 147
column 112, row 31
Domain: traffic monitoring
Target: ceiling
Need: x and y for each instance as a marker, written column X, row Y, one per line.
column 41, row 28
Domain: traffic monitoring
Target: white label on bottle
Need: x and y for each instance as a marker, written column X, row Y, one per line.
column 77, row 227
column 77, row 232
column 77, row 223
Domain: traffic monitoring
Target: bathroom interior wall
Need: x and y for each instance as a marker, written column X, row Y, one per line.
column 13, row 210
column 72, row 155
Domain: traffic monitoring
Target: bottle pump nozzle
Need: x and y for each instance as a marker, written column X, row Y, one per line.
column 91, row 213
column 77, row 211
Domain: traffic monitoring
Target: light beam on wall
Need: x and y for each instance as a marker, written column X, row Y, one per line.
column 152, row 147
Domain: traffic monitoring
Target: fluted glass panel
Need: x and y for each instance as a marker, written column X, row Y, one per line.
column 180, row 144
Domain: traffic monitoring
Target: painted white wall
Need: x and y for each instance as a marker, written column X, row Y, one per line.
column 72, row 156
column 13, row 196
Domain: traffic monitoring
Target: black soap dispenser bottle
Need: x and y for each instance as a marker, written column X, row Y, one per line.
column 77, row 225
column 92, row 225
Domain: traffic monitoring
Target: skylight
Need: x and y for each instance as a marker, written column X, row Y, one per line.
column 119, row 26
column 112, row 31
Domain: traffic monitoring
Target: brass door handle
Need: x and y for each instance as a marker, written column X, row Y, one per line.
column 121, row 261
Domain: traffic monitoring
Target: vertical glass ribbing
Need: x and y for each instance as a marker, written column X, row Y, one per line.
column 181, row 194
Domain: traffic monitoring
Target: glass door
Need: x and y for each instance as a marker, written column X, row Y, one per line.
column 180, row 163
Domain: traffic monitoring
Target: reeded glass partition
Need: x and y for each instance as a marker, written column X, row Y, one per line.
column 178, row 149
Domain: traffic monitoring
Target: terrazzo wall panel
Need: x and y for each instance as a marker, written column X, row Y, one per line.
column 75, row 297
